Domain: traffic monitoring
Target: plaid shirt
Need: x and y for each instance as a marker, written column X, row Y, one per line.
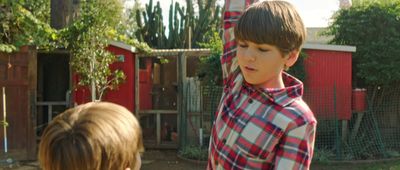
column 258, row 128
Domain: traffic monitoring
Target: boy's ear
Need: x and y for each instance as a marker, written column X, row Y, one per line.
column 292, row 58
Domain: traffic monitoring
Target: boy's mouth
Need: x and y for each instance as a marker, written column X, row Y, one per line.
column 250, row 68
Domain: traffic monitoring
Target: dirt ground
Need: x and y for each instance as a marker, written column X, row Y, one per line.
column 168, row 160
column 151, row 160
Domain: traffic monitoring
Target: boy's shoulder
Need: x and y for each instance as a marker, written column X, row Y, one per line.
column 294, row 115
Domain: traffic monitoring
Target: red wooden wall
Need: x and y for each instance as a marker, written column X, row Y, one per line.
column 125, row 94
column 328, row 72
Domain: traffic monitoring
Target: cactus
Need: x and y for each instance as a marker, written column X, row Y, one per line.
column 152, row 30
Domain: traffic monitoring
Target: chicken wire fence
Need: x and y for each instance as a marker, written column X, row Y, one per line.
column 342, row 132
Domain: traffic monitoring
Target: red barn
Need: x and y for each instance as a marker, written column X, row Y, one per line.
column 328, row 84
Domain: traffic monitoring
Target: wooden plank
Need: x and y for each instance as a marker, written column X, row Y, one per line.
column 54, row 51
column 14, row 59
column 62, row 103
column 32, row 90
column 137, row 97
column 3, row 72
column 158, row 111
column 14, row 82
column 49, row 113
column 158, row 128
column 181, row 75
column 356, row 127
column 10, row 74
column 71, row 84
column 345, row 130
column 149, row 145
column 176, row 52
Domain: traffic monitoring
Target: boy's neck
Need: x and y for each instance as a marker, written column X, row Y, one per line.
column 275, row 82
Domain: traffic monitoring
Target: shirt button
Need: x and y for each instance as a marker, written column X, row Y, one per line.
column 250, row 101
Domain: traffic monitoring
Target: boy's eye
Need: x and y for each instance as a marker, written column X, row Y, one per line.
column 243, row 45
column 263, row 50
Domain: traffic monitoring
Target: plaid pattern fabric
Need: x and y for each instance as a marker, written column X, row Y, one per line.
column 258, row 128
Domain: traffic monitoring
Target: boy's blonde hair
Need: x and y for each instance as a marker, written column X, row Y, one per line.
column 272, row 22
column 96, row 136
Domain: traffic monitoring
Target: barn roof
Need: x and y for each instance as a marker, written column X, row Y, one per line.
column 194, row 52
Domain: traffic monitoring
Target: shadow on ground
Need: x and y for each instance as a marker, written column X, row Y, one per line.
column 167, row 160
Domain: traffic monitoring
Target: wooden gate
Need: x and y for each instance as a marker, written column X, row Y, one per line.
column 18, row 76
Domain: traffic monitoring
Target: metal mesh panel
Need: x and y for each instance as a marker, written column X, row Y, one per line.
column 201, row 106
column 367, row 135
column 342, row 133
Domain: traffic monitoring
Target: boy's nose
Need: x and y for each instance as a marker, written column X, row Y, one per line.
column 249, row 55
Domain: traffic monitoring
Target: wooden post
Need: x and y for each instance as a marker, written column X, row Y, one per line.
column 49, row 113
column 158, row 128
column 4, row 120
column 92, row 84
column 137, row 84
column 345, row 130
column 354, row 132
column 181, row 73
column 32, row 94
column 190, row 37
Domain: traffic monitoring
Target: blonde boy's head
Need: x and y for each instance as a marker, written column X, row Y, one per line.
column 98, row 136
column 272, row 22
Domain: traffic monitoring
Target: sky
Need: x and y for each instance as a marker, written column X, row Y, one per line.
column 315, row 13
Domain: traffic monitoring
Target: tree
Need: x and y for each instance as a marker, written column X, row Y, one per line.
column 24, row 22
column 87, row 38
column 63, row 12
column 375, row 30
column 368, row 2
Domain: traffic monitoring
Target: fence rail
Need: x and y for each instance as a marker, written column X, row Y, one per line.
column 50, row 105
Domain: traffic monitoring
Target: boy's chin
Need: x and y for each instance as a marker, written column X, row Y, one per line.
column 251, row 81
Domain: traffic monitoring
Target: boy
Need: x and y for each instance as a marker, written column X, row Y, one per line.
column 262, row 121
column 96, row 136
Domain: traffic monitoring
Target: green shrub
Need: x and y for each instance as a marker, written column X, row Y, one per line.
column 194, row 152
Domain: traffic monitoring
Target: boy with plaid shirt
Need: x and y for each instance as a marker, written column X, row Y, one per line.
column 262, row 121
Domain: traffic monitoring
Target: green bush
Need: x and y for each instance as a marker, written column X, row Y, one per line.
column 210, row 71
column 194, row 152
column 374, row 30
column 323, row 155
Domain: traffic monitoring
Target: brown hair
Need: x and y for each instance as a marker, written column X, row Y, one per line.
column 98, row 136
column 272, row 22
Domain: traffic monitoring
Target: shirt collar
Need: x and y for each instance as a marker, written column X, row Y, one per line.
column 282, row 96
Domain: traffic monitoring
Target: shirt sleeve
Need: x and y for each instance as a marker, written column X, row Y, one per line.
column 232, row 13
column 295, row 151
